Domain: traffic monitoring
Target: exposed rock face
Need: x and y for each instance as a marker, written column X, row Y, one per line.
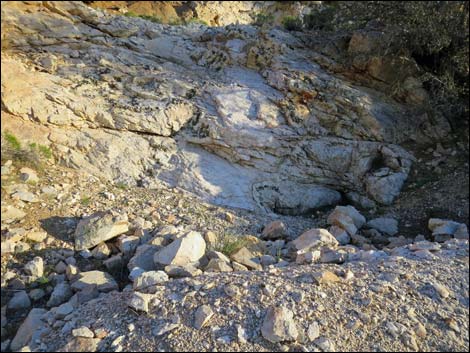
column 241, row 116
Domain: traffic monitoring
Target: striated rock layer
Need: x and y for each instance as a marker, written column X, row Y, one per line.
column 239, row 115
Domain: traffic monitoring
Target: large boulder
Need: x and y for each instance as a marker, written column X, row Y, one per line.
column 99, row 227
column 182, row 251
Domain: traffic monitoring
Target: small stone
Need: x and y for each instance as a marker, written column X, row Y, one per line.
column 278, row 325
column 164, row 328
column 63, row 310
column 128, row 244
column 217, row 265
column 62, row 292
column 71, row 272
column 114, row 262
column 104, row 281
column 441, row 290
column 28, row 175
column 229, row 217
column 135, row 272
column 388, row 226
column 37, row 294
column 325, row 344
column 313, row 331
column 340, row 235
column 244, row 257
column 182, row 251
column 60, row 267
column 267, row 260
column 19, row 301
column 325, row 277
column 148, row 281
column 274, row 230
column 37, row 237
column 420, row 330
column 101, row 251
column 203, row 314
column 10, row 213
column 35, row 267
column 314, row 239
column 140, row 301
column 83, row 331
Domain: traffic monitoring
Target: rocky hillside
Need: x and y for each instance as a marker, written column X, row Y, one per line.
column 234, row 187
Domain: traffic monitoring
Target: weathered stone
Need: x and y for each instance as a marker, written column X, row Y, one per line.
column 114, row 262
column 348, row 218
column 101, row 251
column 143, row 258
column 325, row 277
column 104, row 281
column 147, row 281
column 340, row 235
column 63, row 310
column 278, row 325
column 314, row 239
column 61, row 293
column 128, row 244
column 313, row 331
column 244, row 257
column 37, row 237
column 274, row 230
column 98, row 228
column 217, row 265
column 35, row 267
column 388, row 226
column 83, row 331
column 10, row 213
column 19, row 301
column 187, row 249
column 182, row 271
column 28, row 327
column 203, row 314
column 140, row 301
column 37, row 294
column 28, row 175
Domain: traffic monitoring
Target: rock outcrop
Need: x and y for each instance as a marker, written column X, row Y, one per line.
column 242, row 116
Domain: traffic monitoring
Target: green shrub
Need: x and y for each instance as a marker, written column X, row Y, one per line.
column 292, row 23
column 262, row 19
column 145, row 17
column 197, row 21
column 229, row 243
column 121, row 185
column 12, row 140
column 85, row 200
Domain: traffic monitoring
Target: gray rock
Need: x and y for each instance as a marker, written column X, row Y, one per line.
column 187, row 249
column 101, row 251
column 37, row 294
column 278, row 325
column 19, row 301
column 143, row 258
column 314, row 239
column 24, row 334
column 217, row 265
column 63, row 310
column 340, row 235
column 128, row 244
column 147, row 281
column 245, row 257
column 202, row 316
column 99, row 227
column 140, row 301
column 114, row 262
column 104, row 281
column 347, row 218
column 388, row 226
column 182, row 271
column 274, row 230
column 61, row 293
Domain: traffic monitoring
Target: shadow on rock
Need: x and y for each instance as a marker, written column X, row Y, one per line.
column 61, row 228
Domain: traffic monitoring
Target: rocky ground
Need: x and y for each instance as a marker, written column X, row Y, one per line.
column 197, row 189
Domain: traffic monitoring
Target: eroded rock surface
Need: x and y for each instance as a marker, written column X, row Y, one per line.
column 240, row 115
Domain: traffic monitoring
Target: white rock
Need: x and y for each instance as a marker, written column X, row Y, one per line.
column 182, row 251
column 278, row 325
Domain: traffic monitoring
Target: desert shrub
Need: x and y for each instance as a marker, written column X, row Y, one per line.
column 11, row 148
column 292, row 23
column 150, row 18
column 262, row 19
column 197, row 21
column 434, row 33
column 229, row 243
